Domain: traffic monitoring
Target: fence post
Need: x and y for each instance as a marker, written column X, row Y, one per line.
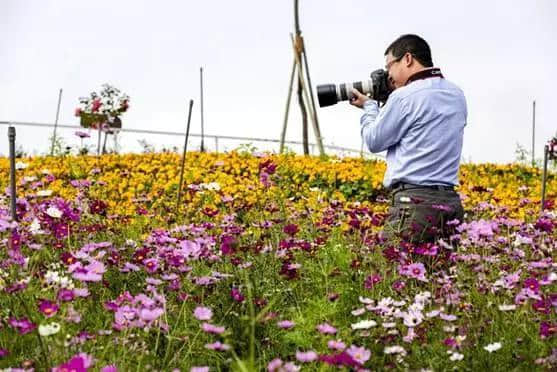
column 13, row 196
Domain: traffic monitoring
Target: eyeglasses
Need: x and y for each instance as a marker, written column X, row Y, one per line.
column 388, row 65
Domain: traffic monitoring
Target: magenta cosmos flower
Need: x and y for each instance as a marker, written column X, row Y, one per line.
column 48, row 308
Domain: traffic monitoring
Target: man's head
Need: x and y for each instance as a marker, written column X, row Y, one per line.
column 405, row 56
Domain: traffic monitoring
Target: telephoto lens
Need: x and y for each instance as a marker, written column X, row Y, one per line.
column 330, row 94
column 378, row 88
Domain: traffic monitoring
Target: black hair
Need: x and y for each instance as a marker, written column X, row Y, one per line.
column 414, row 45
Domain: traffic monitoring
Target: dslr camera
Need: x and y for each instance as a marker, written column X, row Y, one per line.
column 377, row 88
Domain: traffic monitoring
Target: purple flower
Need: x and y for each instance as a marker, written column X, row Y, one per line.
column 547, row 329
column 308, row 356
column 236, row 295
column 199, row 369
column 109, row 368
column 66, row 295
column 326, row 329
column 286, row 324
column 399, row 285
column 210, row 328
column 22, row 325
column 217, row 346
column 82, row 134
column 532, row 284
column 48, row 308
column 291, row 229
column 90, row 273
column 78, row 363
column 336, row 345
column 202, row 313
column 151, row 265
column 150, row 315
column 372, row 280
column 341, row 359
column 4, row 353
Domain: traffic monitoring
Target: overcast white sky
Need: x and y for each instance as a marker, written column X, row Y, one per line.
column 501, row 53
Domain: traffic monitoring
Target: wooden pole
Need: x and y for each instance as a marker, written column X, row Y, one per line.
column 304, row 118
column 184, row 158
column 283, row 133
column 56, row 122
column 299, row 50
column 296, row 45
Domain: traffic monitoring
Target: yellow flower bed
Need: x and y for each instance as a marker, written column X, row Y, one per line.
column 126, row 182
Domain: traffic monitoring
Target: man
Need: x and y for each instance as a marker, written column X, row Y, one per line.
column 421, row 127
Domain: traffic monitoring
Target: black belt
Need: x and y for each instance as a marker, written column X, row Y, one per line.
column 407, row 186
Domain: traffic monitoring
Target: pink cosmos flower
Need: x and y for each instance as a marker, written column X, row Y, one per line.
column 210, row 328
column 203, row 313
column 286, row 324
column 82, row 134
column 217, row 346
column 305, row 357
column 199, row 369
column 336, row 345
column 150, row 315
column 359, row 354
column 414, row 270
column 326, row 329
column 90, row 273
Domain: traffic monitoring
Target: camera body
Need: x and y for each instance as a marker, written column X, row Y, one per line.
column 378, row 88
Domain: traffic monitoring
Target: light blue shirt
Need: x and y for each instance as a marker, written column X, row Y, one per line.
column 421, row 127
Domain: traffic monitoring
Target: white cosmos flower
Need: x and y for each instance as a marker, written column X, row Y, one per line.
column 365, row 300
column 49, row 329
column 54, row 212
column 507, row 307
column 493, row 347
column 35, row 227
column 364, row 324
column 44, row 193
column 29, row 178
column 210, row 186
column 358, row 312
column 394, row 350
column 19, row 165
column 456, row 357
column 412, row 318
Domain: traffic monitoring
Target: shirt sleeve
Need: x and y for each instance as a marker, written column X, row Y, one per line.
column 381, row 129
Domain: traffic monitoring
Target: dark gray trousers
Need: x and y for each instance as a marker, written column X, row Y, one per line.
column 420, row 214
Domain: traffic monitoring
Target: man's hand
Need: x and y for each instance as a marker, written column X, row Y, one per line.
column 358, row 99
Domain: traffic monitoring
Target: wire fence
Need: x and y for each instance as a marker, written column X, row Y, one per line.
column 36, row 139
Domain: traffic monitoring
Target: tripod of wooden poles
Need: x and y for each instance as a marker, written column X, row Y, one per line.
column 305, row 92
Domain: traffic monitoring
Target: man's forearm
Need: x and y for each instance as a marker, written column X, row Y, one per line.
column 367, row 123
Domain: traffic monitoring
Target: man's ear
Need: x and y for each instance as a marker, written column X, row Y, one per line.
column 408, row 59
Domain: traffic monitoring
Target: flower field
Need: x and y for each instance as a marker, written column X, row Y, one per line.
column 268, row 263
